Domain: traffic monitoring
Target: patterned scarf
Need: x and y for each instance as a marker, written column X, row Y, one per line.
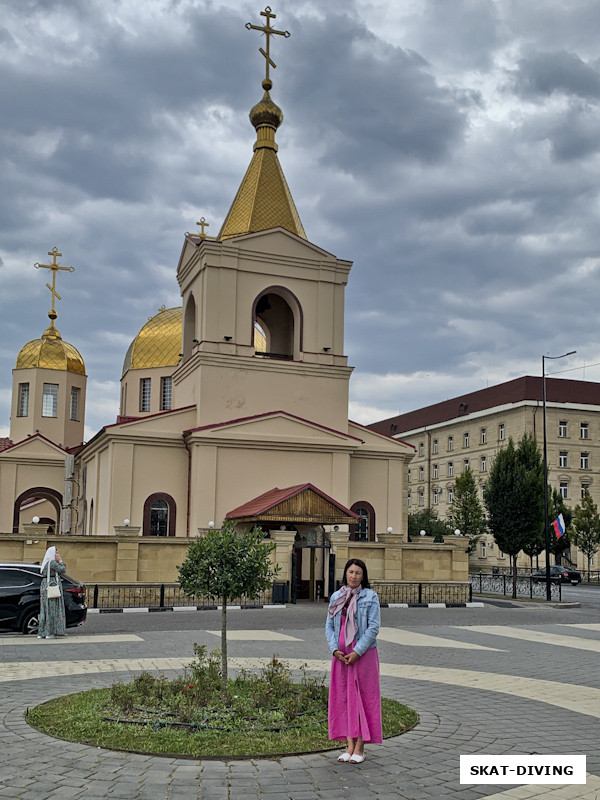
column 350, row 596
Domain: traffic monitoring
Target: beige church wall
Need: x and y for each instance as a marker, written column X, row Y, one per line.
column 380, row 483
column 130, row 390
column 59, row 429
column 232, row 390
column 17, row 477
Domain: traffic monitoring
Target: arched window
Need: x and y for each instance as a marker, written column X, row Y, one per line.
column 364, row 530
column 189, row 327
column 159, row 515
column 277, row 324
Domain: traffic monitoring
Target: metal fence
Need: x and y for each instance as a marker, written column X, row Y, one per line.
column 170, row 595
column 422, row 592
column 527, row 587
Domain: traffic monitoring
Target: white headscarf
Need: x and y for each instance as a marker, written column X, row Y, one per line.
column 50, row 556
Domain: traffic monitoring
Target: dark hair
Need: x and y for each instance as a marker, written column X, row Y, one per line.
column 363, row 566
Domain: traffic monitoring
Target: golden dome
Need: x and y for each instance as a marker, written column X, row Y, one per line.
column 50, row 352
column 158, row 344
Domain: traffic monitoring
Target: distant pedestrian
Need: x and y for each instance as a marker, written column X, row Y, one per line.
column 352, row 626
column 52, row 621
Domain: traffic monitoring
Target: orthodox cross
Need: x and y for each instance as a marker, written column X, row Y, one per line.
column 203, row 224
column 268, row 32
column 55, row 268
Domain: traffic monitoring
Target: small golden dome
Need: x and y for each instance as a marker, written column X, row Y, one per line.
column 266, row 112
column 158, row 344
column 50, row 352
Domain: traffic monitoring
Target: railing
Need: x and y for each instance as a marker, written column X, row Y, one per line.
column 171, row 595
column 482, row 583
column 413, row 592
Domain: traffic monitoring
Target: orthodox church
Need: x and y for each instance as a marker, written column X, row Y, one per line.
column 234, row 405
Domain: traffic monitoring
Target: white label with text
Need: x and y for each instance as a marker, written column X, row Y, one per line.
column 522, row 769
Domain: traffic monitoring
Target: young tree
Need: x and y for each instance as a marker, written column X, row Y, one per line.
column 586, row 527
column 225, row 564
column 467, row 512
column 427, row 520
column 514, row 498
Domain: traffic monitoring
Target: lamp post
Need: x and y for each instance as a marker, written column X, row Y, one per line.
column 546, row 519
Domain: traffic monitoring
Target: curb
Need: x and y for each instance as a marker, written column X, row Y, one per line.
column 432, row 605
column 160, row 609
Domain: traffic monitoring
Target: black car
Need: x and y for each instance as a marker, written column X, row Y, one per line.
column 558, row 574
column 20, row 597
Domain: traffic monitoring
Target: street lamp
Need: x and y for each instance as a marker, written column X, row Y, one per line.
column 546, row 520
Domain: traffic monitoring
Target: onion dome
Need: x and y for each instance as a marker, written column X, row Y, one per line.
column 158, row 344
column 51, row 352
column 264, row 199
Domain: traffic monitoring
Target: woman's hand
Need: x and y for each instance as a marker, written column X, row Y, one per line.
column 340, row 656
column 352, row 658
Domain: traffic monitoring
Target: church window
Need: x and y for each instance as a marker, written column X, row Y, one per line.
column 74, row 410
column 50, row 400
column 145, row 386
column 364, row 528
column 277, row 324
column 23, row 400
column 159, row 515
column 166, row 393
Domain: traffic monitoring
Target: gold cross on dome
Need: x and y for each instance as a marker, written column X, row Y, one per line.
column 203, row 224
column 55, row 268
column 268, row 32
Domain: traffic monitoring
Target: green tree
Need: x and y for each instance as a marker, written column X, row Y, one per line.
column 466, row 509
column 226, row 564
column 557, row 506
column 586, row 527
column 427, row 520
column 514, row 498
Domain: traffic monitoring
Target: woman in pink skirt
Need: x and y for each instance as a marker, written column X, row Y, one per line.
column 352, row 626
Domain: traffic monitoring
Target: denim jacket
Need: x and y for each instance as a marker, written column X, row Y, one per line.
column 368, row 620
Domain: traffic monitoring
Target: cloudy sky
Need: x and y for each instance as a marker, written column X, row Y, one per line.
column 450, row 148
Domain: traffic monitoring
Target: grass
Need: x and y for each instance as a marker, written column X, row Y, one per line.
column 266, row 714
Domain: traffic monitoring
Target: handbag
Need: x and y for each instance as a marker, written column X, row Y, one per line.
column 54, row 589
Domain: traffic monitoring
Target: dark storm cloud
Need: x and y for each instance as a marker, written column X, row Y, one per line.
column 542, row 74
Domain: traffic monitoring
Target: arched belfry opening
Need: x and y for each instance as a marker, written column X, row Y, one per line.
column 189, row 327
column 277, row 324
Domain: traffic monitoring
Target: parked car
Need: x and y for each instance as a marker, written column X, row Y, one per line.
column 558, row 574
column 20, row 597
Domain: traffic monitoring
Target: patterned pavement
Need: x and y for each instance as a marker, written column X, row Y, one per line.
column 479, row 689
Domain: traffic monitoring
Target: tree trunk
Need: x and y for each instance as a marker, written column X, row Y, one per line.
column 223, row 647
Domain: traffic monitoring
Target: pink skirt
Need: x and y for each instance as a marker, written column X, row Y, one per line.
column 354, row 696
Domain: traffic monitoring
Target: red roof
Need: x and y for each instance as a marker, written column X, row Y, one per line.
column 4, row 442
column 264, row 502
column 526, row 388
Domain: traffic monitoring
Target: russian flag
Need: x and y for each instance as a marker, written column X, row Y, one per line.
column 559, row 526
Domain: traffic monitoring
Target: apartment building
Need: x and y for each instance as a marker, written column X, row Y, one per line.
column 466, row 432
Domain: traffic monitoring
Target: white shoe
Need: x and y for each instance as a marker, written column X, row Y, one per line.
column 40, row 636
column 51, row 636
column 356, row 759
column 345, row 757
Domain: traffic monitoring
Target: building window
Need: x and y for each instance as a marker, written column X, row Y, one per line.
column 421, row 498
column 408, row 477
column 466, row 439
column 483, row 436
column 450, row 443
column 483, row 550
column 451, row 495
column 584, row 430
column 50, row 400
column 435, row 497
column 585, row 461
column 435, row 470
column 74, row 407
column 483, row 465
column 421, row 473
column 166, row 393
column 159, row 515
column 435, row 446
column 466, row 464
column 501, row 431
column 408, row 499
column 564, row 490
column 363, row 530
column 563, row 459
column 145, row 386
column 585, row 487
column 421, row 449
column 450, row 469
column 562, row 429
column 23, row 400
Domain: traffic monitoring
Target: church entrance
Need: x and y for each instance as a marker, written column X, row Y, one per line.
column 310, row 564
